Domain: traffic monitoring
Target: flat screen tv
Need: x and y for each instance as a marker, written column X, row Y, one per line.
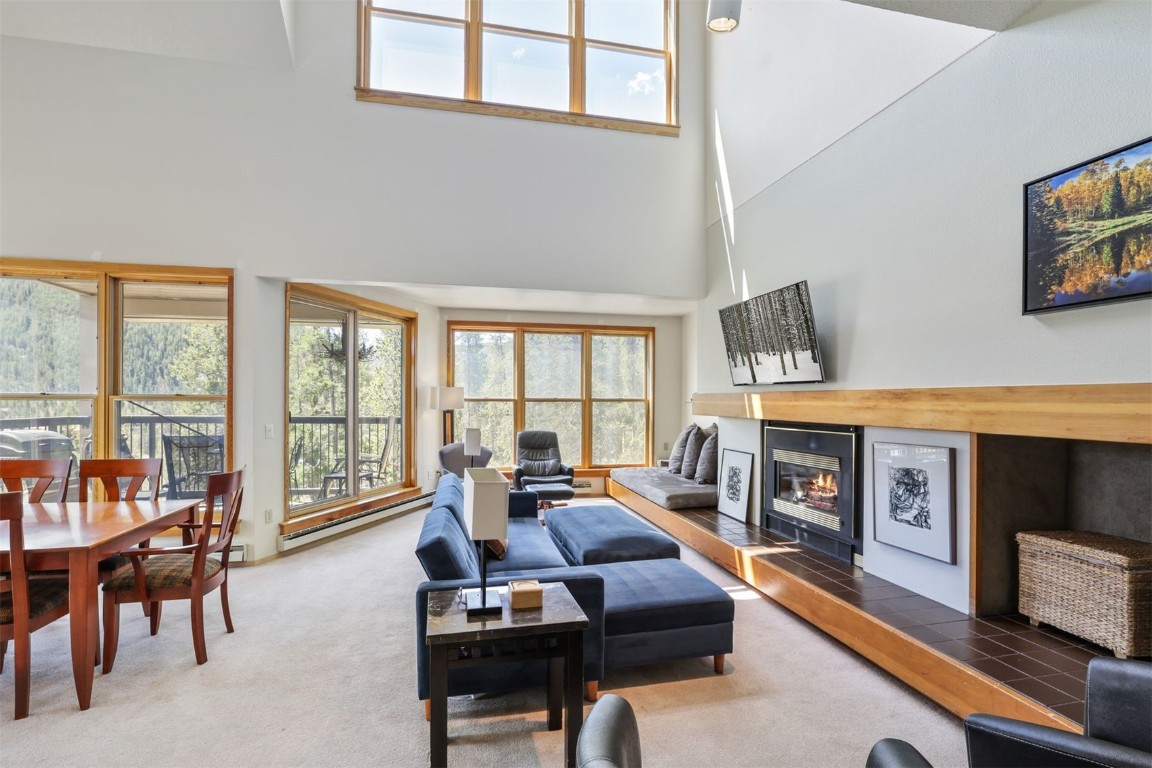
column 771, row 339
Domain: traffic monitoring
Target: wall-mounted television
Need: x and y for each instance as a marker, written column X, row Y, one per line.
column 771, row 339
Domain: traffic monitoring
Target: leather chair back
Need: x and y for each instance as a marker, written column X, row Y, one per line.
column 610, row 737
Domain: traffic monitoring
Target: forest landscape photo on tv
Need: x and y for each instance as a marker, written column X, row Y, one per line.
column 771, row 339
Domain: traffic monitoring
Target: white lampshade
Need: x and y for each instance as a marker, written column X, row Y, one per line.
column 485, row 503
column 449, row 398
column 723, row 15
column 472, row 441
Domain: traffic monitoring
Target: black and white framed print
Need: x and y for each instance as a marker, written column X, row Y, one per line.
column 913, row 499
column 733, row 484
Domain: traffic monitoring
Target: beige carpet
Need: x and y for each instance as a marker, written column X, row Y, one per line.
column 320, row 672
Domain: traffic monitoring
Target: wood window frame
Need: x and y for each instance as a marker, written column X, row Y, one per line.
column 354, row 503
column 519, row 400
column 473, row 103
column 108, row 277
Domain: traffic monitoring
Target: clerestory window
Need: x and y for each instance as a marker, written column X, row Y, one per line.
column 603, row 63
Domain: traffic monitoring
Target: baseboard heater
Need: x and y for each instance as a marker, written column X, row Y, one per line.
column 333, row 527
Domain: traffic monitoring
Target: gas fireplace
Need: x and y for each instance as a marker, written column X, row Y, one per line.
column 811, row 485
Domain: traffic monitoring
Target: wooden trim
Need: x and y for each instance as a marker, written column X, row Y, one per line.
column 297, row 524
column 473, row 51
column 578, row 55
column 24, row 267
column 951, row 684
column 1119, row 413
column 975, row 573
column 323, row 293
column 522, row 113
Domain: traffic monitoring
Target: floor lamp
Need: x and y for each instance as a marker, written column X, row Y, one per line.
column 448, row 399
column 486, row 515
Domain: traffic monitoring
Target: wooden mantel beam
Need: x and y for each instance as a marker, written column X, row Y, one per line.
column 1120, row 413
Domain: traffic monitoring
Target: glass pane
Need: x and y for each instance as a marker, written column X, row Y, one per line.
column 625, row 85
column 494, row 419
column 48, row 336
column 188, row 434
column 453, row 9
column 380, row 380
column 632, row 22
column 619, row 366
column 541, row 15
column 565, row 420
column 46, row 429
column 525, row 71
column 416, row 57
column 317, row 401
column 175, row 339
column 484, row 363
column 553, row 364
column 619, row 433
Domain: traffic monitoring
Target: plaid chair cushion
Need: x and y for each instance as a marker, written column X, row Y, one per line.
column 43, row 596
column 162, row 572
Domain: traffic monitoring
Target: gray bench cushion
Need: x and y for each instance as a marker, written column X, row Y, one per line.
column 588, row 535
column 660, row 486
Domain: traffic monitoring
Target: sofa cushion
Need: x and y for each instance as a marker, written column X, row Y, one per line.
column 443, row 549
column 706, row 467
column 696, row 440
column 655, row 595
column 676, row 458
column 450, row 496
column 529, row 547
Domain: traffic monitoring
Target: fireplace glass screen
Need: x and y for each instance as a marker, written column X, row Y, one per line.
column 808, row 486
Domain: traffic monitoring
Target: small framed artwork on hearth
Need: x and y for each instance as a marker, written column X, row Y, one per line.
column 913, row 499
column 733, row 484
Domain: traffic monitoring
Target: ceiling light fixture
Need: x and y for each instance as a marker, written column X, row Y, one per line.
column 723, row 15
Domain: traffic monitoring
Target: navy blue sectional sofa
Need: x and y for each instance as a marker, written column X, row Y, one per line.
column 639, row 611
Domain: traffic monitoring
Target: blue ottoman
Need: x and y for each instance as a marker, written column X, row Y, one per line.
column 589, row 535
column 661, row 610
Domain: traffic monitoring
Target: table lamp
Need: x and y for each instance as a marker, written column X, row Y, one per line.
column 486, row 515
column 471, row 444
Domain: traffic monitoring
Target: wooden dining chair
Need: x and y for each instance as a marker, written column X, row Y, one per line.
column 186, row 572
column 25, row 605
column 14, row 473
column 121, row 479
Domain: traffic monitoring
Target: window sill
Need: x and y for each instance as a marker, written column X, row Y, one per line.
column 349, row 508
column 523, row 113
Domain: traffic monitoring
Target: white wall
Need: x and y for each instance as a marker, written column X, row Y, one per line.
column 282, row 175
column 908, row 229
column 943, row 582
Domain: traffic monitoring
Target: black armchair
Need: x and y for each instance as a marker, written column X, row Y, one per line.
column 1117, row 730
column 610, row 737
column 453, row 459
column 538, row 460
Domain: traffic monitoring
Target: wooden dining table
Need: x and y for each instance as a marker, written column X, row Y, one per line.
column 76, row 535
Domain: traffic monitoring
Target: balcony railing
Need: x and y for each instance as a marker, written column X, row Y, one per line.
column 317, row 446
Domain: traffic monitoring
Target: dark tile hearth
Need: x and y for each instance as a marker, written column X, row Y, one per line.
column 1044, row 664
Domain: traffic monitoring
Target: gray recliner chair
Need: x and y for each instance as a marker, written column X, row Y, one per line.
column 454, row 460
column 1117, row 729
column 538, row 460
column 609, row 737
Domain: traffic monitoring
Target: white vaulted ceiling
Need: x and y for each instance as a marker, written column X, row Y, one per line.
column 252, row 32
column 995, row 15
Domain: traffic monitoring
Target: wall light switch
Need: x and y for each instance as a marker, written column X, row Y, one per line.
column 269, row 431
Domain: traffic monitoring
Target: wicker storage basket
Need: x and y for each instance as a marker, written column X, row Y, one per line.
column 1092, row 585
